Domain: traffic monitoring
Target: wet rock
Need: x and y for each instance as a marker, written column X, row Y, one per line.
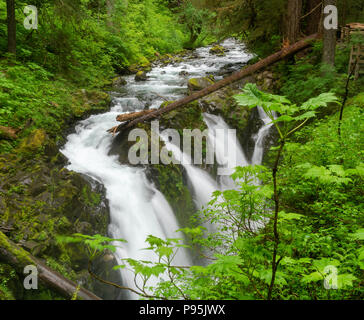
column 119, row 81
column 141, row 76
column 230, row 68
column 84, row 227
column 218, row 50
column 33, row 247
column 197, row 84
column 183, row 73
column 41, row 200
column 166, row 59
column 214, row 103
column 267, row 83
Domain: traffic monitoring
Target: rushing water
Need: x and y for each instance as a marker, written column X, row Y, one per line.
column 259, row 138
column 137, row 208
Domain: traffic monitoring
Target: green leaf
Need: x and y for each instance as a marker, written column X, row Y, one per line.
column 306, row 115
column 289, row 216
column 345, row 280
column 321, row 101
column 321, row 264
column 312, row 277
column 358, row 235
column 226, row 264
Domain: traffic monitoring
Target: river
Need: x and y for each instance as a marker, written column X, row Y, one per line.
column 137, row 208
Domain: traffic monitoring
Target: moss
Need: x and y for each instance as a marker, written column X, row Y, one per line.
column 195, row 84
column 90, row 198
column 9, row 283
column 34, row 142
column 218, row 50
column 170, row 181
column 40, row 201
column 86, row 101
column 21, row 255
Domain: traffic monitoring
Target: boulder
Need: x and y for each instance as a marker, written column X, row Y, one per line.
column 141, row 76
column 218, row 50
column 197, row 84
column 118, row 82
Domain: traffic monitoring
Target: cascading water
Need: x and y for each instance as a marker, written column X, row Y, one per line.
column 229, row 153
column 137, row 208
column 259, row 138
column 202, row 183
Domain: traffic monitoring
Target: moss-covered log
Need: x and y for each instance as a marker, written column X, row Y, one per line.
column 18, row 258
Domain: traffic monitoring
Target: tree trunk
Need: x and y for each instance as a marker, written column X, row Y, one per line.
column 314, row 18
column 18, row 258
column 292, row 20
column 304, row 43
column 329, row 40
column 110, row 8
column 131, row 116
column 10, row 6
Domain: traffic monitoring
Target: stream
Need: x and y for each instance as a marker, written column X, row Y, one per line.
column 137, row 208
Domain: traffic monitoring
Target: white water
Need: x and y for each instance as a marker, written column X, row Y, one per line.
column 137, row 208
column 259, row 139
column 229, row 153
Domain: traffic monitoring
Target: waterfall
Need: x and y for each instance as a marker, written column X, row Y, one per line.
column 137, row 208
column 202, row 183
column 223, row 138
column 257, row 157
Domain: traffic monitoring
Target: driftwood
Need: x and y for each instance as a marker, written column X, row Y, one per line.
column 18, row 258
column 280, row 55
column 132, row 115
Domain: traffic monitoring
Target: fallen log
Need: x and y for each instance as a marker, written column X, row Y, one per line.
column 280, row 55
column 133, row 115
column 18, row 258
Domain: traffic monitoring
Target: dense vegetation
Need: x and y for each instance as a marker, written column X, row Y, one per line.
column 293, row 235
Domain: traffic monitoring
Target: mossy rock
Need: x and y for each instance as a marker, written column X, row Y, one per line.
column 133, row 68
column 86, row 101
column 218, row 50
column 141, row 76
column 143, row 65
column 197, row 84
column 40, row 201
column 34, row 142
column 118, row 82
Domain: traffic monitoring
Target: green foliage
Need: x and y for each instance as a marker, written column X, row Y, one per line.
column 95, row 244
column 87, row 41
column 288, row 113
column 307, row 77
column 196, row 21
